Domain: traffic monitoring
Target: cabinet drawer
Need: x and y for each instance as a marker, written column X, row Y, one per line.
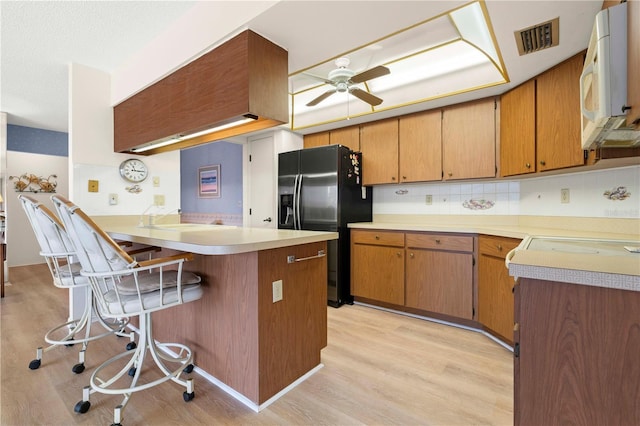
column 496, row 246
column 440, row 242
column 382, row 238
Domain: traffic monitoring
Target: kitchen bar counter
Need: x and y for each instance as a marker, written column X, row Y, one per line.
column 253, row 347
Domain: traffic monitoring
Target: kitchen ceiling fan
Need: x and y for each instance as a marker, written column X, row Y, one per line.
column 344, row 80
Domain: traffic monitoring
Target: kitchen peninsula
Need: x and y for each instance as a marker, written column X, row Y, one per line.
column 250, row 343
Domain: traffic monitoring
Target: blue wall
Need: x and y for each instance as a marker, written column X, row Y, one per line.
column 37, row 141
column 229, row 156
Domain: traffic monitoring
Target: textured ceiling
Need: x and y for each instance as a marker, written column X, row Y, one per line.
column 39, row 39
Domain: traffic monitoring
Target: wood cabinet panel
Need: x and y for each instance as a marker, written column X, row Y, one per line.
column 578, row 355
column 315, row 139
column 518, row 130
column 420, row 146
column 384, row 238
column 440, row 281
column 633, row 62
column 379, row 146
column 347, row 136
column 469, row 140
column 440, row 242
column 377, row 273
column 495, row 286
column 557, row 119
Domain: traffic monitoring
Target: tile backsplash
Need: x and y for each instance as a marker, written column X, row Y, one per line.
column 612, row 193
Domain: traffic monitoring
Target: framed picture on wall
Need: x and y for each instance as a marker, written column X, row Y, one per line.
column 209, row 181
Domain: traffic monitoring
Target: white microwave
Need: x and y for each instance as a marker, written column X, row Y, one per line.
column 603, row 83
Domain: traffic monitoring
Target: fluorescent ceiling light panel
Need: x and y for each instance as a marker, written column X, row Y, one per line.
column 450, row 51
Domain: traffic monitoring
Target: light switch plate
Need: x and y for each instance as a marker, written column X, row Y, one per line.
column 113, row 199
column 156, row 181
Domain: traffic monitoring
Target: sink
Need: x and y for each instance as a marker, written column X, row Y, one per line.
column 190, row 227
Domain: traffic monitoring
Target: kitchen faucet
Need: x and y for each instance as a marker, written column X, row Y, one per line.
column 152, row 219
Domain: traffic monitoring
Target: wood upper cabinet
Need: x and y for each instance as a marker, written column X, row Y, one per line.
column 518, row 130
column 316, row 139
column 347, row 136
column 439, row 274
column 558, row 124
column 377, row 266
column 633, row 62
column 420, row 146
column 495, row 286
column 469, row 140
column 379, row 146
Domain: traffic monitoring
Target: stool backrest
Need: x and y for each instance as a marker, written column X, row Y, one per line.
column 49, row 231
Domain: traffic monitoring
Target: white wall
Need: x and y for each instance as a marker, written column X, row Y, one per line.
column 539, row 196
column 91, row 153
column 24, row 249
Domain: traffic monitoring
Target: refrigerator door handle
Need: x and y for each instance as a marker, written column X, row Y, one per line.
column 293, row 212
column 297, row 202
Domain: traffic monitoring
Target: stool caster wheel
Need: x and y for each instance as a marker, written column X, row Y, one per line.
column 82, row 407
column 131, row 345
column 188, row 369
column 188, row 396
column 132, row 371
column 35, row 364
column 78, row 368
column 116, row 424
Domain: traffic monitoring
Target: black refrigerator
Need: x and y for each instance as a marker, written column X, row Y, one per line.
column 320, row 189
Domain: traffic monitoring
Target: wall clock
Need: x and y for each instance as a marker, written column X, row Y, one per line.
column 133, row 170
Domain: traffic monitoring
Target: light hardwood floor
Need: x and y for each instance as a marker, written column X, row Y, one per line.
column 379, row 368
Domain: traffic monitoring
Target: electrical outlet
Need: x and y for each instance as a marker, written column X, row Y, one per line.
column 93, row 186
column 113, row 199
column 277, row 291
column 428, row 200
column 564, row 195
column 158, row 200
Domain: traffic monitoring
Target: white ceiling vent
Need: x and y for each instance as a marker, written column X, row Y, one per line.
column 538, row 37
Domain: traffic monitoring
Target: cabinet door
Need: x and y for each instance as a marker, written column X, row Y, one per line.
column 420, row 146
column 495, row 286
column 469, row 140
column 557, row 116
column 347, row 136
column 440, row 281
column 518, row 130
column 379, row 146
column 316, row 139
column 633, row 62
column 377, row 273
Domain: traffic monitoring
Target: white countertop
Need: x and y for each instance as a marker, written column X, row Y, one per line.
column 214, row 239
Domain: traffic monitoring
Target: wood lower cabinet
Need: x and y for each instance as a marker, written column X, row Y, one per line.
column 422, row 271
column 377, row 266
column 495, row 286
column 577, row 355
column 439, row 274
column 469, row 140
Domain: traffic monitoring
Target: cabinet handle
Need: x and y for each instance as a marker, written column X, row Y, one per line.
column 528, row 165
column 411, row 255
column 543, row 163
column 398, row 254
column 404, row 178
column 499, row 247
column 450, row 174
column 377, row 237
column 393, row 178
column 437, row 241
column 292, row 258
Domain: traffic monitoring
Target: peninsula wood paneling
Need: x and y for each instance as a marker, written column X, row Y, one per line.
column 247, row 74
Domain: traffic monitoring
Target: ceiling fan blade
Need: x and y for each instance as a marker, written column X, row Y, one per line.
column 365, row 96
column 321, row 98
column 374, row 72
